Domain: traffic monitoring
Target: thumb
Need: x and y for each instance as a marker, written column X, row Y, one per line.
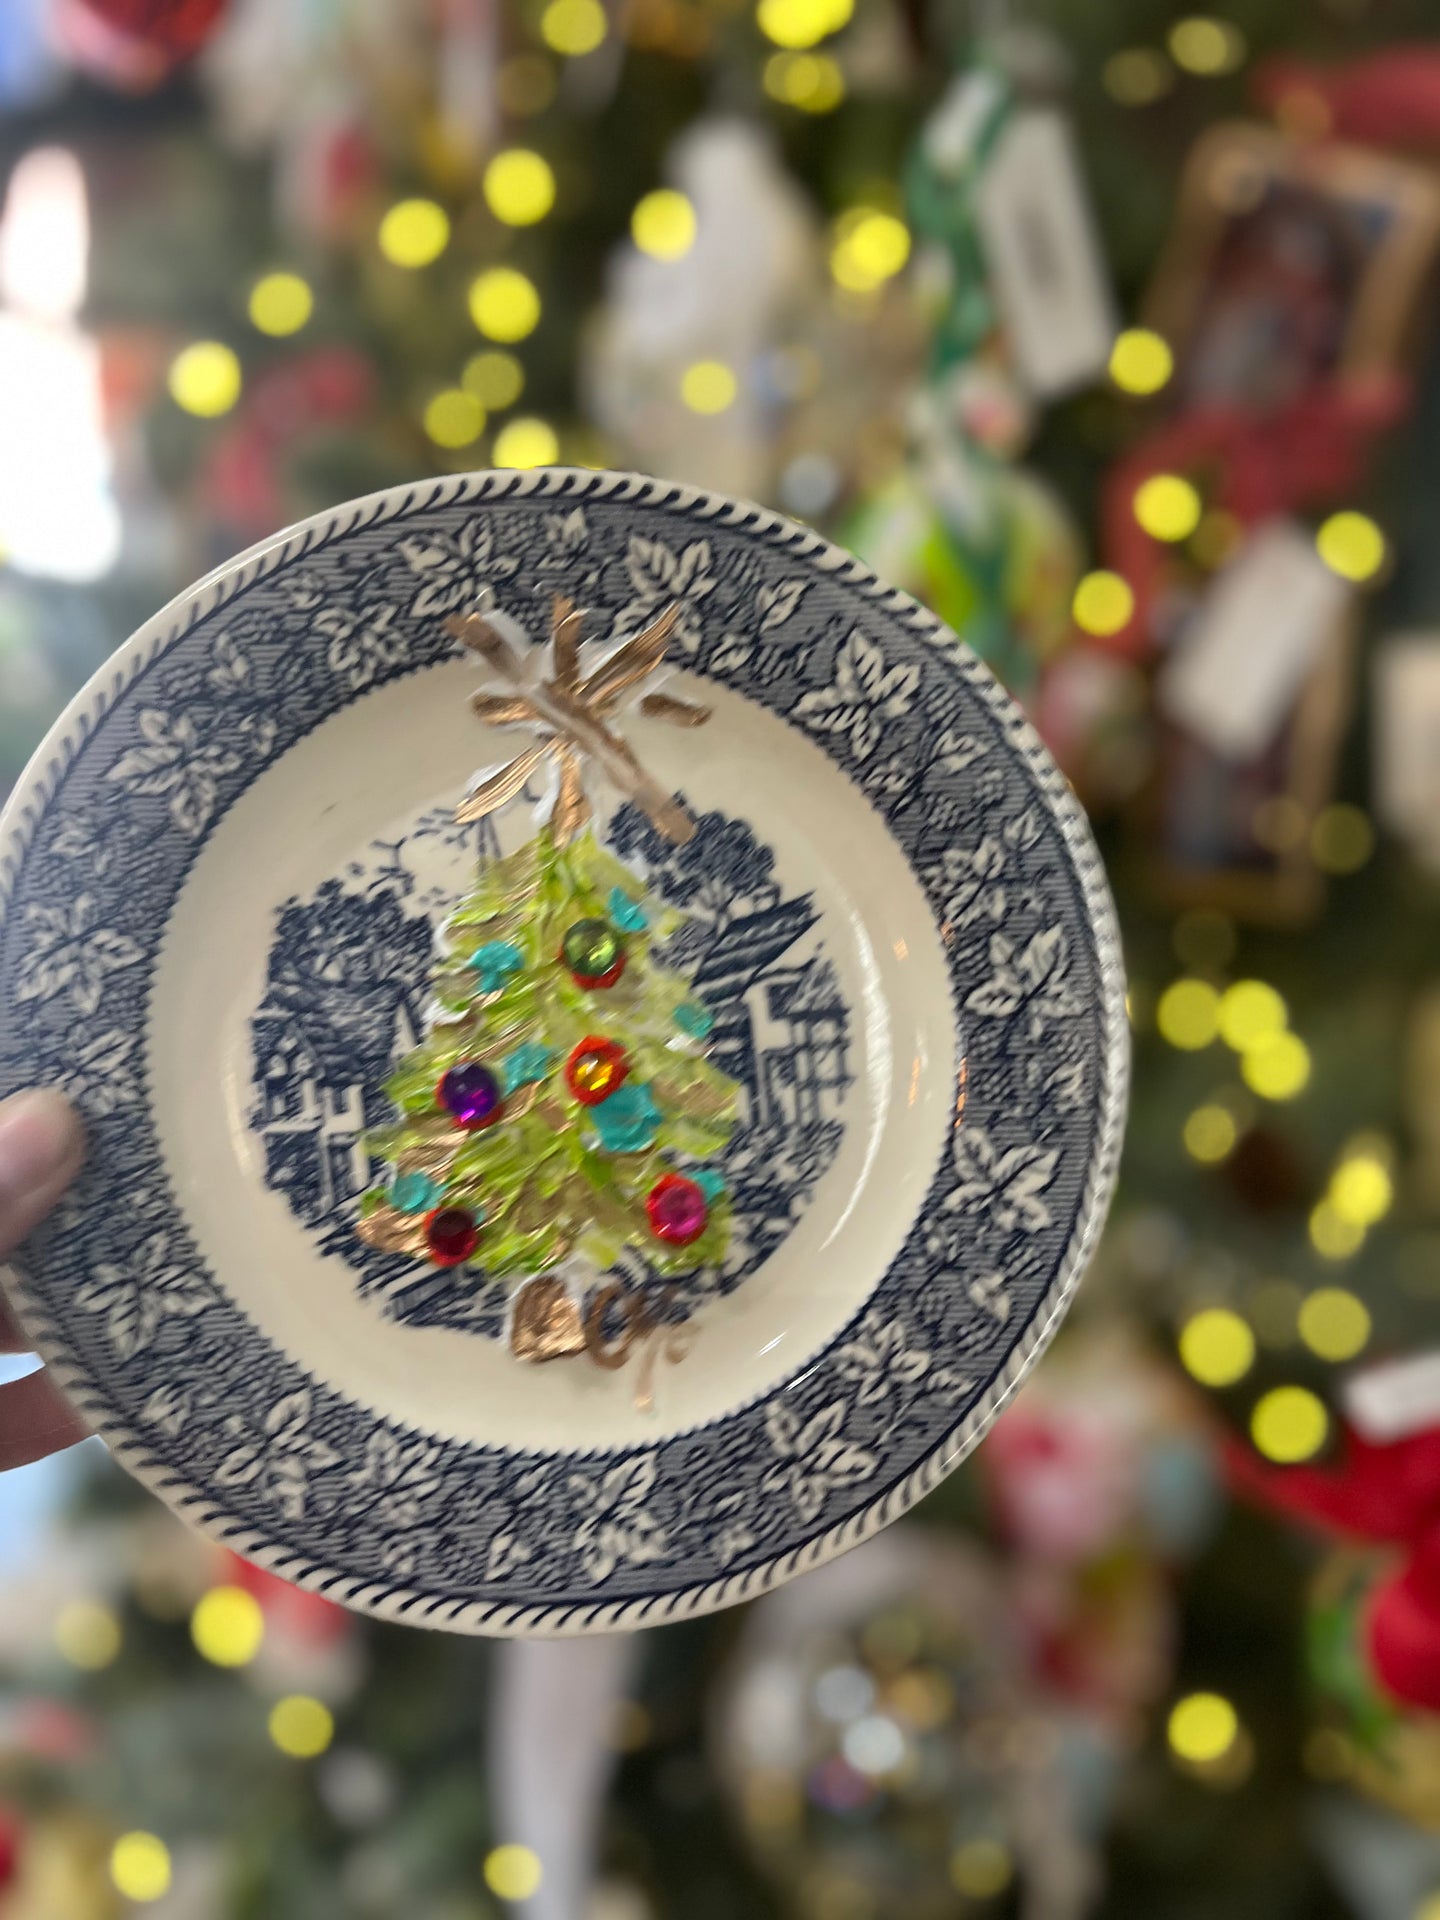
column 41, row 1146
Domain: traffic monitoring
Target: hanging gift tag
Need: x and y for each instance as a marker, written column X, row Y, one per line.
column 1262, row 629
column 1406, row 747
column 1044, row 256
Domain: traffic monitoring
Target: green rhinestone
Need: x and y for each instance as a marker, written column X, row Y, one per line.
column 591, row 949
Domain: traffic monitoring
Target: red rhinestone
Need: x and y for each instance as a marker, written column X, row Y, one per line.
column 451, row 1233
column 677, row 1209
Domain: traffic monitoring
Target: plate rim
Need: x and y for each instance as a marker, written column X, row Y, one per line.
column 26, row 807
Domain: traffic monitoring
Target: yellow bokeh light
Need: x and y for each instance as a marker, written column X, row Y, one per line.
column 981, row 1868
column 813, row 82
column 140, row 1866
column 1332, row 1235
column 663, row 224
column 1167, row 507
column 1289, row 1424
column 1141, row 361
column 1137, row 76
column 519, row 187
column 870, row 248
column 1188, row 1015
column 1209, row 1134
column 1202, row 1727
column 414, row 232
column 573, row 27
column 454, row 418
column 205, row 379
column 1217, row 1347
column 1361, row 1189
column 526, row 442
column 495, row 378
column 798, row 24
column 1429, row 1907
column 280, row 303
column 1206, row 46
column 1351, row 545
column 228, row 1626
column 1103, row 603
column 301, row 1726
column 1334, row 1324
column 512, row 1872
column 504, row 304
column 88, row 1635
column 1277, row 1068
column 1342, row 838
column 709, row 386
column 1250, row 1012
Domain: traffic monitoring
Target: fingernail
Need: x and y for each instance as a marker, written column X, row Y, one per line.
column 41, row 1139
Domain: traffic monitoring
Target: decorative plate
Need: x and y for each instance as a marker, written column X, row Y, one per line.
column 222, row 878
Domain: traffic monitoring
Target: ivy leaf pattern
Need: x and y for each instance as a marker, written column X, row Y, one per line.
column 99, row 1075
column 362, row 643
column 813, row 1460
column 879, row 1363
column 134, row 1297
column 177, row 760
column 281, row 1458
column 660, row 574
column 1006, row 1183
column 614, row 1527
column 1035, row 980
column 66, row 953
column 864, row 694
column 457, row 570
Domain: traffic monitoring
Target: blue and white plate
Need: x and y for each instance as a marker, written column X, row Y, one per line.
column 219, row 881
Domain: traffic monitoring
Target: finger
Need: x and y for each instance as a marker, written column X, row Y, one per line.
column 35, row 1420
column 12, row 1334
column 41, row 1147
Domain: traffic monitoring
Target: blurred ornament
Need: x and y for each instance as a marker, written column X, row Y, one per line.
column 135, row 43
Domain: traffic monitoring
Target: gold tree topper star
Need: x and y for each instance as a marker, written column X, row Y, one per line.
column 570, row 717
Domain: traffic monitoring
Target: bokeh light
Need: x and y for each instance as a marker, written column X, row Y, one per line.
column 709, row 386
column 573, row 27
column 1250, row 1012
column 1167, row 507
column 454, row 418
column 88, row 1634
column 1351, row 545
column 495, row 378
column 301, row 1726
column 504, row 304
column 140, row 1866
column 414, row 232
column 1205, row 46
column 1342, row 838
column 1202, row 1727
column 1289, row 1424
column 1188, row 1015
column 526, row 442
column 1217, row 1347
column 1209, row 1134
column 1141, row 361
column 519, row 187
column 205, row 379
column 813, row 82
column 1103, row 603
column 280, row 303
column 663, row 224
column 1334, row 1324
column 1137, row 76
column 1361, row 1189
column 513, row 1872
column 870, row 248
column 1331, row 1235
column 798, row 24
column 981, row 1868
column 228, row 1626
column 1277, row 1068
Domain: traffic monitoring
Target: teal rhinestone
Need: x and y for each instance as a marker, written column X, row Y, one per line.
column 530, row 1061
column 627, row 914
column 415, row 1192
column 694, row 1018
column 710, row 1183
column 494, row 962
column 628, row 1121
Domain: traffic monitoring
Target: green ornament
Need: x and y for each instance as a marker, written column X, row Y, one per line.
column 591, row 949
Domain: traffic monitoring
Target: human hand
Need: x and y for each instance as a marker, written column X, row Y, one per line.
column 41, row 1147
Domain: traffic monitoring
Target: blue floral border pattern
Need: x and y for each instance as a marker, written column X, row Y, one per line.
column 347, row 981
column 242, row 1440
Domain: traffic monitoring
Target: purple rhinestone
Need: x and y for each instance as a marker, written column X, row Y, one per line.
column 472, row 1093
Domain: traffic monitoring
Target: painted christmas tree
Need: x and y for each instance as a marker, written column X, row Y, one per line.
column 561, row 1105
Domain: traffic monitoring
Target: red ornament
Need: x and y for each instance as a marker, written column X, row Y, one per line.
column 452, row 1234
column 677, row 1209
column 175, row 28
column 595, row 1069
